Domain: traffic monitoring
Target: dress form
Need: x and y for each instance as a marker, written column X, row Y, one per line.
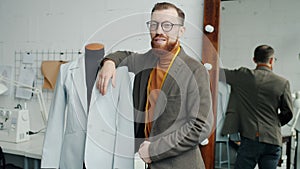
column 94, row 52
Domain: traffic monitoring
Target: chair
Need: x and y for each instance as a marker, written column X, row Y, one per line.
column 220, row 152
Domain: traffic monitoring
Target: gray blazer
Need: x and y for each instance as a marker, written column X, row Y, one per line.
column 65, row 138
column 256, row 98
column 181, row 112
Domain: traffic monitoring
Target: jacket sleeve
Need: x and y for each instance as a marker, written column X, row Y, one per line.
column 207, row 129
column 55, row 126
column 118, row 57
column 132, row 60
column 228, row 76
column 286, row 108
column 198, row 107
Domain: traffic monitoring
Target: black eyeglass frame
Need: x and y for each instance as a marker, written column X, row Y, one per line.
column 161, row 25
column 275, row 58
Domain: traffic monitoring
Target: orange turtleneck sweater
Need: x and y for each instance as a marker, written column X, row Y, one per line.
column 155, row 82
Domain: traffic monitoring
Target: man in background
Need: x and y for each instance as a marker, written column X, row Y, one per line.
column 263, row 104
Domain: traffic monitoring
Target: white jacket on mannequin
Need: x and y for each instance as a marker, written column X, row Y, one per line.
column 65, row 137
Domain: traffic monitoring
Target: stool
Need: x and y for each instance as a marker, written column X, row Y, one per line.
column 220, row 159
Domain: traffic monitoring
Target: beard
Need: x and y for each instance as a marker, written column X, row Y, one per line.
column 162, row 49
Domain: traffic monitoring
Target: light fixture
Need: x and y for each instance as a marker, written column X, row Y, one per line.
column 34, row 90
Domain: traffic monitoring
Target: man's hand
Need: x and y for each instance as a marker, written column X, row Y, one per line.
column 107, row 72
column 144, row 152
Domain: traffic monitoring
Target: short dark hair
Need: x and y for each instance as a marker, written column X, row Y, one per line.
column 262, row 53
column 167, row 5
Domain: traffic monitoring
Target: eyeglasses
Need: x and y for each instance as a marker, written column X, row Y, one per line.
column 166, row 26
column 275, row 59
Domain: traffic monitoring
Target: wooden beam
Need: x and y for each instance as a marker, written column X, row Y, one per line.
column 210, row 54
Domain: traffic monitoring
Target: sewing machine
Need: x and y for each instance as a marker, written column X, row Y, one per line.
column 14, row 125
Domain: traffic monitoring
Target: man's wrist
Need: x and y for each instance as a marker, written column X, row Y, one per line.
column 108, row 61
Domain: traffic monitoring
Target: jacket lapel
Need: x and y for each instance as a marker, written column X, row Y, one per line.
column 78, row 76
column 171, row 76
column 166, row 88
column 173, row 72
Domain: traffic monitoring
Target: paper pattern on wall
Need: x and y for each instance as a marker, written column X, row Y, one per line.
column 28, row 58
column 50, row 70
column 6, row 72
column 26, row 77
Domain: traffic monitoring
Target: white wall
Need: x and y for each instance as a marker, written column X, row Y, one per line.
column 69, row 24
column 59, row 25
column 246, row 24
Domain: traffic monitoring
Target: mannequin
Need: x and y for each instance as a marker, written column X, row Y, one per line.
column 84, row 127
column 81, row 120
column 94, row 52
column 68, row 112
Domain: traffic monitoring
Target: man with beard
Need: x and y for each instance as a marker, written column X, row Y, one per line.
column 171, row 94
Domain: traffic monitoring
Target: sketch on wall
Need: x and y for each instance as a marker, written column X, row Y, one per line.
column 6, row 72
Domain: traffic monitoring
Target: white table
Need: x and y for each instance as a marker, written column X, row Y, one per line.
column 31, row 149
